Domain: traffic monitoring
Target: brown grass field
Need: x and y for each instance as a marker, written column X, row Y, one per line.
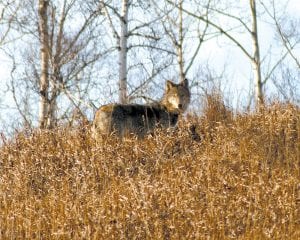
column 219, row 176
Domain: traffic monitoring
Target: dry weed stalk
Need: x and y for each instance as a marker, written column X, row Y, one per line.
column 240, row 182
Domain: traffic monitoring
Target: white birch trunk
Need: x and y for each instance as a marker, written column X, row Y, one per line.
column 256, row 57
column 123, row 53
column 56, row 79
column 44, row 52
column 180, row 45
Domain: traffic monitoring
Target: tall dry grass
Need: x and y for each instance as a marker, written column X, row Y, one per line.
column 240, row 178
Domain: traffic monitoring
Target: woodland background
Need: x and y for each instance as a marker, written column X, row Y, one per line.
column 60, row 60
column 231, row 170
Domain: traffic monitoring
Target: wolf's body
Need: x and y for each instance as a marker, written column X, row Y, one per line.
column 126, row 119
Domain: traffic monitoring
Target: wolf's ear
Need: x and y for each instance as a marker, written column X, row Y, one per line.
column 185, row 83
column 169, row 85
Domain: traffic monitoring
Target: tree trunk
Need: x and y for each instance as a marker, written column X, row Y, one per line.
column 56, row 80
column 256, row 57
column 44, row 53
column 123, row 53
column 55, row 91
column 180, row 45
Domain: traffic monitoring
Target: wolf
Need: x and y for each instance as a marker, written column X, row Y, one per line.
column 127, row 119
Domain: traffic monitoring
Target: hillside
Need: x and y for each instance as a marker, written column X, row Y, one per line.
column 218, row 177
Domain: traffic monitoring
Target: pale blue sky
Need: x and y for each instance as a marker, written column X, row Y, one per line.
column 218, row 53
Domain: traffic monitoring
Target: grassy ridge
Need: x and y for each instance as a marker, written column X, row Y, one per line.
column 217, row 177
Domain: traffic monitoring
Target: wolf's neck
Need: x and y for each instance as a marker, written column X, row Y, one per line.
column 163, row 103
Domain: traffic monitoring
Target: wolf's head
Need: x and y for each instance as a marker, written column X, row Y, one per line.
column 177, row 96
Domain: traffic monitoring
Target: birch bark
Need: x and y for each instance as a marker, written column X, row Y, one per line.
column 44, row 54
column 123, row 53
column 256, row 57
column 180, row 45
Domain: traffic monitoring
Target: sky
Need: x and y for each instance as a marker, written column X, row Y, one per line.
column 237, row 64
column 218, row 53
column 294, row 7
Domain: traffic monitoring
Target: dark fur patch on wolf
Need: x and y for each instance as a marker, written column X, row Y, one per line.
column 143, row 117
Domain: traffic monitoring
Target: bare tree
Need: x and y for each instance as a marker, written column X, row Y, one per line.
column 256, row 61
column 88, row 52
column 44, row 79
column 140, row 39
column 7, row 16
column 71, row 51
column 286, row 79
column 123, row 52
column 122, row 39
column 287, row 29
column 181, row 33
column 180, row 43
column 69, row 47
column 122, row 42
column 246, row 25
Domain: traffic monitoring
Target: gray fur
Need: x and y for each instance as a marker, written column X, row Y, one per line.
column 125, row 119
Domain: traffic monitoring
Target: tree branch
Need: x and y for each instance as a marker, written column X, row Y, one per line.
column 220, row 29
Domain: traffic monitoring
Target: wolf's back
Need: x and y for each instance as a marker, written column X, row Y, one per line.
column 132, row 118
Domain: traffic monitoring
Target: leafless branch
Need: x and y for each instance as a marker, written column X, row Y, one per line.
column 220, row 29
